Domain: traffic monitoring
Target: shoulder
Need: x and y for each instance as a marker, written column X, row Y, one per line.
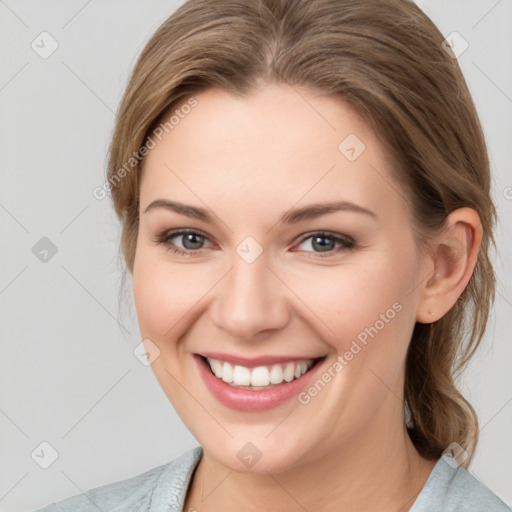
column 145, row 492
column 450, row 488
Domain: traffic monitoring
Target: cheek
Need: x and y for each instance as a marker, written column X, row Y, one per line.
column 348, row 300
column 363, row 304
column 165, row 296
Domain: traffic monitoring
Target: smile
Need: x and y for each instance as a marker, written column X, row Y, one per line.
column 260, row 377
column 256, row 385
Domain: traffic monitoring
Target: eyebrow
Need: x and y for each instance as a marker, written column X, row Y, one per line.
column 290, row 217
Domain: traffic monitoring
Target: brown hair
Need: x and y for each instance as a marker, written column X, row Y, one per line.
column 384, row 57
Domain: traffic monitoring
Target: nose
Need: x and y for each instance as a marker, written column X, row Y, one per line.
column 251, row 299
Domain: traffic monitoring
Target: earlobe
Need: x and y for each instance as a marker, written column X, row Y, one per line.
column 454, row 255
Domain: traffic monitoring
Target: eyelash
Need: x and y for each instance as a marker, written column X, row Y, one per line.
column 165, row 237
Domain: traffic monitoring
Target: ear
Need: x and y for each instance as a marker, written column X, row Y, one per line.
column 453, row 258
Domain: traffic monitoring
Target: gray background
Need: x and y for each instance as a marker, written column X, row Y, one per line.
column 68, row 376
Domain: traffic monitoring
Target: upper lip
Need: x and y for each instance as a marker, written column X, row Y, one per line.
column 252, row 362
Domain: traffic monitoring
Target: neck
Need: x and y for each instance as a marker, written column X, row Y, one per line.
column 378, row 468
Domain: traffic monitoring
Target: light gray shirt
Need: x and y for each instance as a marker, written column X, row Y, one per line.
column 163, row 489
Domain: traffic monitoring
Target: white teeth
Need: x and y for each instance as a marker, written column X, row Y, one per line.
column 241, row 376
column 261, row 376
column 289, row 372
column 216, row 367
column 227, row 372
column 276, row 374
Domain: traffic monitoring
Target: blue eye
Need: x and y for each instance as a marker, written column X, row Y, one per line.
column 322, row 244
column 191, row 241
column 326, row 244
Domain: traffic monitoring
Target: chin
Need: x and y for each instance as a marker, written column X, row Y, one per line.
column 260, row 456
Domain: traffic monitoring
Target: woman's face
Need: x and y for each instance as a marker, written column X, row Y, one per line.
column 267, row 282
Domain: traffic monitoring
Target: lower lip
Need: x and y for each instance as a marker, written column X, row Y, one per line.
column 253, row 401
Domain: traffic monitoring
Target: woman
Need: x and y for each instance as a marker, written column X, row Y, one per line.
column 304, row 191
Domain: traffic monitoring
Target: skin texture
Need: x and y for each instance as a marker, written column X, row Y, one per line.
column 248, row 160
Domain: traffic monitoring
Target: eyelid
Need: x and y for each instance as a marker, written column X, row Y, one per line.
column 328, row 234
column 164, row 238
column 347, row 243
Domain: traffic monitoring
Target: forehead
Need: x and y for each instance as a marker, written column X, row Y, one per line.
column 279, row 144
